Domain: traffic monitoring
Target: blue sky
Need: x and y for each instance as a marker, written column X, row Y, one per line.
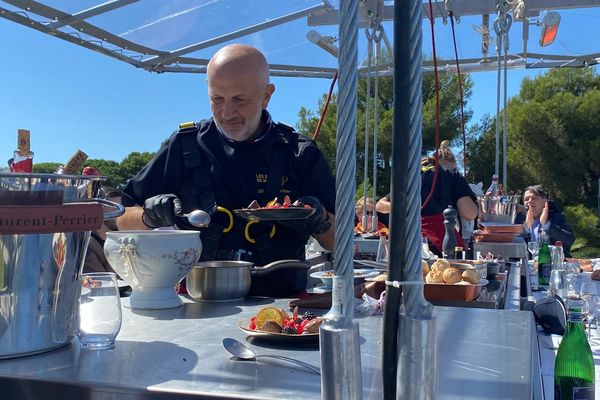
column 70, row 97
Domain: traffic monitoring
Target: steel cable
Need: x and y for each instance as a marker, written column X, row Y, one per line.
column 377, row 39
column 405, row 226
column 345, row 161
column 367, row 123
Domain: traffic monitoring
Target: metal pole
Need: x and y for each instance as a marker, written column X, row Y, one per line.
column 376, row 126
column 409, row 338
column 367, row 123
column 507, row 24
column 341, row 376
column 499, row 36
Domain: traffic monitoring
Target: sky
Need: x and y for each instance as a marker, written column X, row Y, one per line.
column 73, row 98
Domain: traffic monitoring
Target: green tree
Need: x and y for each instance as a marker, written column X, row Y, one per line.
column 553, row 136
column 111, row 169
column 45, row 167
column 116, row 173
column 450, row 122
column 134, row 162
column 481, row 145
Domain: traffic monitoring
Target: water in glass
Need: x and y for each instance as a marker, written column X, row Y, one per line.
column 99, row 313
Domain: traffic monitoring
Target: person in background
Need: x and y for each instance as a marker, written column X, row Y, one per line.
column 544, row 214
column 359, row 208
column 451, row 189
column 95, row 260
column 238, row 157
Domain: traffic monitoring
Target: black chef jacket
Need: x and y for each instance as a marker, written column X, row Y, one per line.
column 239, row 173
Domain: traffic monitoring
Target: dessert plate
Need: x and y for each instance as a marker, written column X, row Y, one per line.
column 280, row 337
column 274, row 214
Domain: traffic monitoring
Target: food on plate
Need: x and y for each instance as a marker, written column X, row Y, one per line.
column 312, row 326
column 440, row 264
column 451, row 275
column 435, row 277
column 287, row 203
column 275, row 204
column 596, row 275
column 253, row 205
column 471, row 276
column 266, row 314
column 274, row 320
column 271, row 326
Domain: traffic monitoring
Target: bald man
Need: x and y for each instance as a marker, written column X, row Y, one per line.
column 224, row 163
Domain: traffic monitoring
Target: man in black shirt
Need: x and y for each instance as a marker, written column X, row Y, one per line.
column 451, row 189
column 226, row 162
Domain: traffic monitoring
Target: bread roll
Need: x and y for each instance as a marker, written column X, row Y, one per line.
column 440, row 264
column 470, row 275
column 434, row 277
column 451, row 275
column 425, row 268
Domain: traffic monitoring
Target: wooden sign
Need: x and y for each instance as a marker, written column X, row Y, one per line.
column 74, row 217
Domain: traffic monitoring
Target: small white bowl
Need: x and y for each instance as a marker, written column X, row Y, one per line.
column 327, row 276
column 152, row 263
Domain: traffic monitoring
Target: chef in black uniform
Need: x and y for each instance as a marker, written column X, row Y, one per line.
column 224, row 163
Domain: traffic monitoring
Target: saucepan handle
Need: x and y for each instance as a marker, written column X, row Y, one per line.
column 117, row 212
column 118, row 209
column 280, row 264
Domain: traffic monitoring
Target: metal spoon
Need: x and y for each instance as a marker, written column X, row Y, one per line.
column 198, row 218
column 238, row 350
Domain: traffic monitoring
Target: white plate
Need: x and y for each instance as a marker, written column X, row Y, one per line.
column 280, row 337
column 482, row 282
column 358, row 274
column 319, row 290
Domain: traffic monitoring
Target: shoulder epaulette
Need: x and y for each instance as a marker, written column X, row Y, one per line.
column 188, row 126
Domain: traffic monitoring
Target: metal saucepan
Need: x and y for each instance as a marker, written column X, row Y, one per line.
column 230, row 280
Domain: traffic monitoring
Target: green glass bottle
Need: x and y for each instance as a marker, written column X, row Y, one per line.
column 574, row 365
column 544, row 260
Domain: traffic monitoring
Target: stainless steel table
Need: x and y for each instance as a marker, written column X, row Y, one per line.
column 517, row 248
column 177, row 353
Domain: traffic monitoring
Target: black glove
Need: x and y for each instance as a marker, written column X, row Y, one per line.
column 161, row 210
column 312, row 224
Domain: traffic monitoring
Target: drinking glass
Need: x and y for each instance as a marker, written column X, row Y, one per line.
column 533, row 249
column 99, row 311
column 589, row 292
column 572, row 271
column 382, row 249
column 424, row 248
column 558, row 283
column 596, row 311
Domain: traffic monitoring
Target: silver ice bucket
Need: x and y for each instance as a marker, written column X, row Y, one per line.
column 38, row 271
column 502, row 209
